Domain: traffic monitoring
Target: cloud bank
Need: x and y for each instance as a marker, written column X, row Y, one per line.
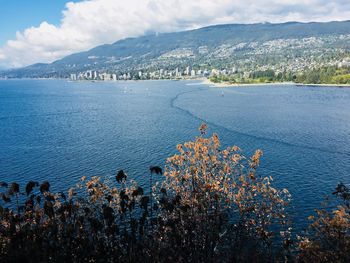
column 89, row 23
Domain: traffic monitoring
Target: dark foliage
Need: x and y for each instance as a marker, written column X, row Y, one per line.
column 121, row 176
column 156, row 170
column 30, row 186
column 45, row 187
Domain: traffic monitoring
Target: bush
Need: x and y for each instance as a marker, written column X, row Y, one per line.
column 211, row 205
column 214, row 204
column 328, row 239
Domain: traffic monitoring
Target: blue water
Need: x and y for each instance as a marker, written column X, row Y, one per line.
column 59, row 131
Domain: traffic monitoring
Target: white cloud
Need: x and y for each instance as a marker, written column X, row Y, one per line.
column 89, row 23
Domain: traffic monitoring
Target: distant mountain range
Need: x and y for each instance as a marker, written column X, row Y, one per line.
column 238, row 45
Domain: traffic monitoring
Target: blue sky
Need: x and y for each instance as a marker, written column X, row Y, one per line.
column 52, row 29
column 17, row 15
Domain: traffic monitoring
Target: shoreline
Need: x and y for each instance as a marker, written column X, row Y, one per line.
column 228, row 85
column 203, row 81
column 324, row 85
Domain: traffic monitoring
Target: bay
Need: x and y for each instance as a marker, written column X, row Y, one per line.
column 59, row 131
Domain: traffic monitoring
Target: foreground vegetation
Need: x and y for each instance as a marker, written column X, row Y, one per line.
column 210, row 206
column 324, row 75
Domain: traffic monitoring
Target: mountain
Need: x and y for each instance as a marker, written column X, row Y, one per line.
column 220, row 45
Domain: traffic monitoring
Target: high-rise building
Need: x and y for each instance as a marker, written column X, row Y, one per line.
column 73, row 76
column 89, row 74
column 187, row 71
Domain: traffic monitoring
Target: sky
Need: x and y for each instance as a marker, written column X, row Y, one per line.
column 33, row 31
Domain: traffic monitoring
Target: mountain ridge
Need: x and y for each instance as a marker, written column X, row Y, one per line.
column 152, row 51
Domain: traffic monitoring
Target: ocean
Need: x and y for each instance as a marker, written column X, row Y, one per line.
column 59, row 131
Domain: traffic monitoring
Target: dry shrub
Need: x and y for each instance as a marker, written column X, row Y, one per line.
column 215, row 205
column 104, row 224
column 210, row 206
column 328, row 238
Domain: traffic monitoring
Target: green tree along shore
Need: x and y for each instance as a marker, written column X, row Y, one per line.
column 210, row 206
column 324, row 75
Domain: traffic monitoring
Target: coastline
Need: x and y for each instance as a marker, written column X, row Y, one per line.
column 324, row 85
column 228, row 85
column 204, row 81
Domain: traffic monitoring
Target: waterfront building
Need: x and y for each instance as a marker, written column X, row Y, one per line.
column 73, row 76
column 187, row 71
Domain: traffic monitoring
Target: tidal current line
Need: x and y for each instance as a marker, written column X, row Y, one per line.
column 212, row 124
